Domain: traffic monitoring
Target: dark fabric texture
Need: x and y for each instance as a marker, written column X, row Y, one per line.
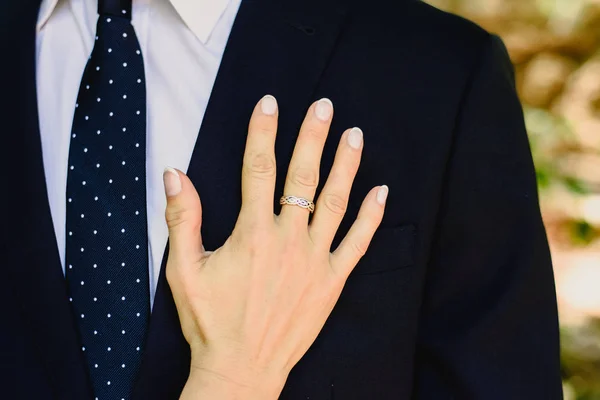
column 455, row 297
column 106, row 220
column 118, row 8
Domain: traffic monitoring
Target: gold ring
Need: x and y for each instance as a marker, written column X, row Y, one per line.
column 297, row 201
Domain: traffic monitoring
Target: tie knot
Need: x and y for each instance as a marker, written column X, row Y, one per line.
column 116, row 8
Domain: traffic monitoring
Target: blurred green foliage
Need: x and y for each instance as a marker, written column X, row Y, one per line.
column 581, row 360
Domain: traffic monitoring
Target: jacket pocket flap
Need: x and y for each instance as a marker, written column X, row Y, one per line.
column 390, row 249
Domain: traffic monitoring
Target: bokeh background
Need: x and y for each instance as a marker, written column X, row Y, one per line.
column 555, row 47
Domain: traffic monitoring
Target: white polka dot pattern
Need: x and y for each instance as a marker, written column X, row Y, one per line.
column 107, row 273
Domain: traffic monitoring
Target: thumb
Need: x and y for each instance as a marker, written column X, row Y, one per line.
column 183, row 215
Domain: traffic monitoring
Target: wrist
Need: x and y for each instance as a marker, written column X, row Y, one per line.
column 231, row 380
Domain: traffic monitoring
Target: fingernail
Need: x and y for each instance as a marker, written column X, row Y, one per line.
column 172, row 182
column 355, row 138
column 324, row 109
column 382, row 194
column 268, row 105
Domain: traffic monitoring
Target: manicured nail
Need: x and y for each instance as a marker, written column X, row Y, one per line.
column 172, row 182
column 324, row 109
column 268, row 105
column 382, row 194
column 355, row 138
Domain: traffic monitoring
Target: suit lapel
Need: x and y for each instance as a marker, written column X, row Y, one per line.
column 280, row 48
column 32, row 259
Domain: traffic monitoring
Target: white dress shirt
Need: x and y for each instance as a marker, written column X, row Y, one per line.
column 182, row 43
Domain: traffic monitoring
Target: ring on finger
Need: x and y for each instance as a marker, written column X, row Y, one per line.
column 297, row 201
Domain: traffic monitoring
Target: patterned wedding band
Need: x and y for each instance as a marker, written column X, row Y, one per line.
column 297, row 201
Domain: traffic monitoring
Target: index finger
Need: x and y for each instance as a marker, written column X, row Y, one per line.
column 259, row 168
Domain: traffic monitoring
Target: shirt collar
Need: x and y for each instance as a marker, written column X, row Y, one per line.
column 200, row 16
column 46, row 9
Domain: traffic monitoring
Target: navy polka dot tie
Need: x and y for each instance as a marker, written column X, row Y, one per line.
column 107, row 238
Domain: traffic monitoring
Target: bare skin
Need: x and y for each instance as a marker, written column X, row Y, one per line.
column 251, row 309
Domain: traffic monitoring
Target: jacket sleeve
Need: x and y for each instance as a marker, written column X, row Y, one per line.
column 488, row 324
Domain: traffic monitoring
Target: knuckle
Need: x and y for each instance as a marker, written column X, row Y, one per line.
column 335, row 203
column 314, row 133
column 252, row 235
column 258, row 239
column 292, row 250
column 305, row 177
column 262, row 166
column 359, row 248
column 262, row 128
column 178, row 216
column 175, row 216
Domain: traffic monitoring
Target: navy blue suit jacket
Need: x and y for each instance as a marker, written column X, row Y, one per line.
column 455, row 297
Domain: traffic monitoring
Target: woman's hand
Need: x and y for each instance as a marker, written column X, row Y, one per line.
column 251, row 309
